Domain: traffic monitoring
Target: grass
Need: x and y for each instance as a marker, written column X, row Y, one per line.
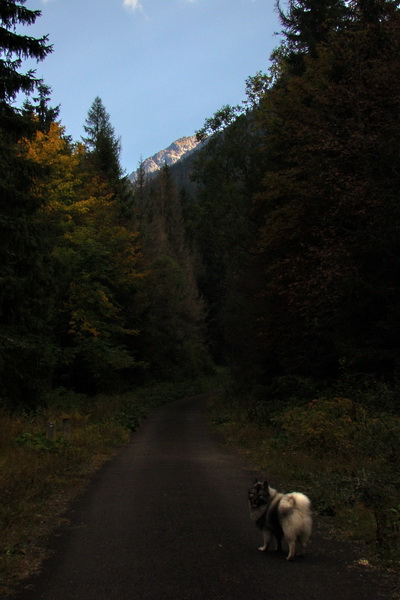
column 42, row 471
column 342, row 455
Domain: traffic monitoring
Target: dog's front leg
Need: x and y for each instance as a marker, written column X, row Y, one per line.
column 267, row 539
column 292, row 549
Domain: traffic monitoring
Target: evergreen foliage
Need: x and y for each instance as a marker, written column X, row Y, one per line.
column 173, row 312
column 103, row 145
column 16, row 47
column 25, row 348
column 281, row 255
column 96, row 263
column 328, row 242
column 40, row 109
column 321, row 285
column 228, row 171
column 307, row 24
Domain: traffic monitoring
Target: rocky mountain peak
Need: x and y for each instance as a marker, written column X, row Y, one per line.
column 177, row 150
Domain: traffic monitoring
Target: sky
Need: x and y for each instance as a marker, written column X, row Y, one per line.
column 160, row 67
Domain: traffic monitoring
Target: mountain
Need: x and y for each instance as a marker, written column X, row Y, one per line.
column 176, row 151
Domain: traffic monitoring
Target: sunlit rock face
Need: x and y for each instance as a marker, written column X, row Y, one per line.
column 177, row 150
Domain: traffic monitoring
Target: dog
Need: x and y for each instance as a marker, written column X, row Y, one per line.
column 281, row 516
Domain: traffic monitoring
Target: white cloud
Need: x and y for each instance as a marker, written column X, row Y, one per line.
column 136, row 4
column 133, row 4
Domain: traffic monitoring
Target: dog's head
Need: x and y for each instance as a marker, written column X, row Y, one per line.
column 259, row 494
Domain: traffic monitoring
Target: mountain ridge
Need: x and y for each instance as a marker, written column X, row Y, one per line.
column 179, row 149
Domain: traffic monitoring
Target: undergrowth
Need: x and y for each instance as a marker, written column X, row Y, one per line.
column 341, row 454
column 43, row 469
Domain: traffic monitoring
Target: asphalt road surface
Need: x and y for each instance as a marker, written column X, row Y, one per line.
column 167, row 519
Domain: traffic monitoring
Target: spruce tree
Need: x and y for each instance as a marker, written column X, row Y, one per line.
column 373, row 11
column 16, row 47
column 40, row 109
column 173, row 312
column 329, row 246
column 306, row 24
column 140, row 182
column 102, row 144
column 103, row 150
column 24, row 277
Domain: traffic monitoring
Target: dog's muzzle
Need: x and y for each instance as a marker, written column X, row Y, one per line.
column 256, row 501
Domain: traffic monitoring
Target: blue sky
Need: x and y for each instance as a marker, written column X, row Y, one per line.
column 161, row 67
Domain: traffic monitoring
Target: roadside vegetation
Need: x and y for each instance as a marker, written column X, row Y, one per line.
column 48, row 456
column 340, row 452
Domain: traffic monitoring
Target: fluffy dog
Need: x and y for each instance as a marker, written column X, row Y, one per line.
column 281, row 516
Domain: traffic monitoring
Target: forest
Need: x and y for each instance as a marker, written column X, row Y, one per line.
column 279, row 260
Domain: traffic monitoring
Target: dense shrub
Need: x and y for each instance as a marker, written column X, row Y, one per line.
column 342, row 454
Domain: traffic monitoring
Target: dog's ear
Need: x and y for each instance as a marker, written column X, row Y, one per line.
column 265, row 485
column 255, row 481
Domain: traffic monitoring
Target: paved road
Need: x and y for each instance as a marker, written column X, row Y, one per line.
column 167, row 518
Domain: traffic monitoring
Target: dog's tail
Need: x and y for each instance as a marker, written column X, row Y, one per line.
column 295, row 501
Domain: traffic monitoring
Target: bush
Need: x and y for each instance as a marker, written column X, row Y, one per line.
column 338, row 451
column 342, row 429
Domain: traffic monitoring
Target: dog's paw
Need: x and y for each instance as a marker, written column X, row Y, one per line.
column 262, row 548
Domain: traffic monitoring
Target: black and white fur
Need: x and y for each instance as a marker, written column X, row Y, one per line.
column 281, row 516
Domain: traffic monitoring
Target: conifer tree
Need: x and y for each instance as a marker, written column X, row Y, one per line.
column 25, row 301
column 103, row 151
column 228, row 170
column 15, row 47
column 103, row 145
column 306, row 24
column 329, row 245
column 96, row 261
column 140, row 182
column 373, row 11
column 39, row 108
column 173, row 312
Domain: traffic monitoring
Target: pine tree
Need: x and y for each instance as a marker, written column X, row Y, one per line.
column 96, row 262
column 373, row 11
column 103, row 145
column 40, row 109
column 25, row 302
column 103, row 150
column 329, row 243
column 173, row 317
column 17, row 47
column 140, row 182
column 228, row 170
column 306, row 24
